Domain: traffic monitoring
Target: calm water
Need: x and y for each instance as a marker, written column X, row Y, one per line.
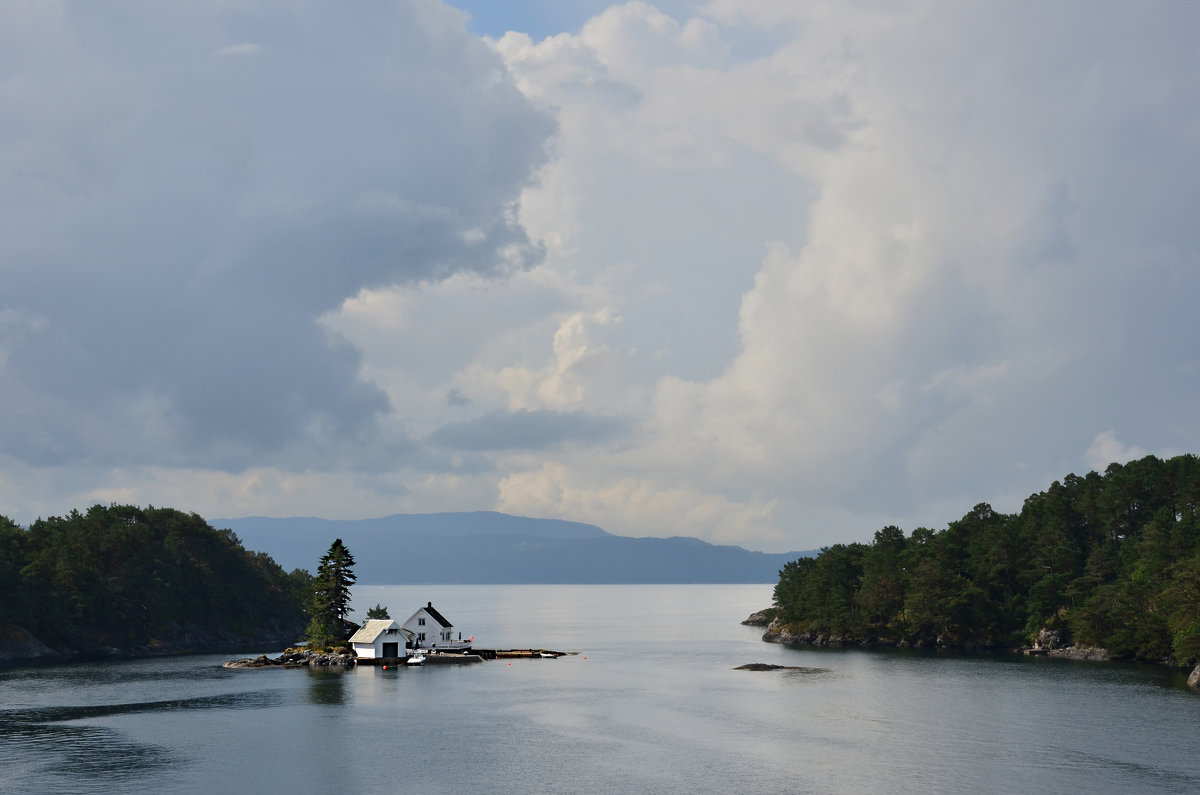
column 654, row 707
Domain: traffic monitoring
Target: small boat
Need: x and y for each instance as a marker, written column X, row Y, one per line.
column 415, row 659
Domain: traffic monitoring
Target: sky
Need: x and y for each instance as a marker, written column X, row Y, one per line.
column 760, row 272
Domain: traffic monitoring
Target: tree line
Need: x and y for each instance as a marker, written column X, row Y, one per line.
column 142, row 579
column 1108, row 560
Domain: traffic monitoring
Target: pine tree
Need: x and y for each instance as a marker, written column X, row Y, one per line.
column 331, row 595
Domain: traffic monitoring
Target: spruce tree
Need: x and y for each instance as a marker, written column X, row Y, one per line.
column 331, row 595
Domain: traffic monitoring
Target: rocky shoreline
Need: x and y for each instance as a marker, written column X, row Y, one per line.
column 1049, row 643
column 296, row 658
column 18, row 646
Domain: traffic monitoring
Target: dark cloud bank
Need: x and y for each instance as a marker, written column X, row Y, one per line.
column 186, row 190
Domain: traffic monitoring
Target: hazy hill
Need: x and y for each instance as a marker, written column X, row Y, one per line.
column 492, row 548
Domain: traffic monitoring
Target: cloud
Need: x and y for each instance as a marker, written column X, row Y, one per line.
column 975, row 262
column 1106, row 449
column 237, row 50
column 762, row 272
column 562, row 382
column 530, row 430
column 632, row 506
column 179, row 222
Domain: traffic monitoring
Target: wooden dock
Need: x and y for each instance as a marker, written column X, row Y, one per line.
column 509, row 654
column 476, row 655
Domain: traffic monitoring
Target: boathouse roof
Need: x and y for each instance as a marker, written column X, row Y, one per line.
column 372, row 629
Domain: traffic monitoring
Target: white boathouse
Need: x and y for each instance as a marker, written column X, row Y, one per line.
column 378, row 638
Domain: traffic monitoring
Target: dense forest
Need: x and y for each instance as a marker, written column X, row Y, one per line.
column 1108, row 560
column 142, row 580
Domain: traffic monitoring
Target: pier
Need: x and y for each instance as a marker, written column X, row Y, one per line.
column 473, row 656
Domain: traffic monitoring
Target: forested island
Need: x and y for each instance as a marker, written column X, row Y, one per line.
column 127, row 580
column 1109, row 561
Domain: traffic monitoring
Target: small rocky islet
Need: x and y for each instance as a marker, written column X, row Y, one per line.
column 296, row 658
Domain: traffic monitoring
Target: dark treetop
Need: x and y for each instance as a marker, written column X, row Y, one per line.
column 1109, row 560
column 123, row 578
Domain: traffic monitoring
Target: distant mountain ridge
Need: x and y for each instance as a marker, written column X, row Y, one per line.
column 486, row 548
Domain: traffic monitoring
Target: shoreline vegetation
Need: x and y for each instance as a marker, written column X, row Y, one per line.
column 1094, row 567
column 123, row 581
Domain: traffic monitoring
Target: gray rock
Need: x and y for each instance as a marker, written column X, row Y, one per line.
column 295, row 658
column 777, row 633
column 1194, row 679
column 17, row 644
column 1082, row 653
column 1048, row 639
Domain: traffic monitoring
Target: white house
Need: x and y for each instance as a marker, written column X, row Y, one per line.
column 433, row 631
column 378, row 638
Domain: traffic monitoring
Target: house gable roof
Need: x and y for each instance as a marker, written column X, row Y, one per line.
column 430, row 611
column 436, row 616
column 372, row 629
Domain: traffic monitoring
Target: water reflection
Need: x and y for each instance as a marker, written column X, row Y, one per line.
column 327, row 686
column 13, row 718
column 656, row 708
column 68, row 753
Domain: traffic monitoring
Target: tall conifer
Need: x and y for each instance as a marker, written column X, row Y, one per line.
column 331, row 595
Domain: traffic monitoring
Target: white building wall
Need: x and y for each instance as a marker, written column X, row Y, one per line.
column 431, row 628
column 435, row 633
column 374, row 650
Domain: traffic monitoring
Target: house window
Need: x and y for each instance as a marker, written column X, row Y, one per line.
column 421, row 636
column 421, row 622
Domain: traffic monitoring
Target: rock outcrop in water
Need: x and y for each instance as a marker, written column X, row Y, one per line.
column 760, row 619
column 778, row 632
column 1194, row 679
column 296, row 658
column 1053, row 643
